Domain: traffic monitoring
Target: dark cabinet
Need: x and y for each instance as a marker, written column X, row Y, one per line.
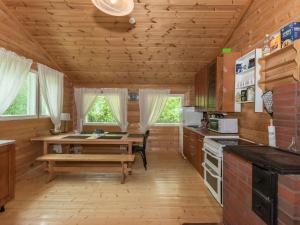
column 7, row 173
column 214, row 84
column 192, row 149
column 225, row 85
column 201, row 89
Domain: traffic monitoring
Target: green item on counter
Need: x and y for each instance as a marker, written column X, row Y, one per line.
column 226, row 50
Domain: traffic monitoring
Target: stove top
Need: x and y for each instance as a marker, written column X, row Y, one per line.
column 232, row 141
column 216, row 145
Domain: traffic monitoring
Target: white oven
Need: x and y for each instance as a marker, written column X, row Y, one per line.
column 213, row 165
column 213, row 182
column 213, row 162
column 212, row 159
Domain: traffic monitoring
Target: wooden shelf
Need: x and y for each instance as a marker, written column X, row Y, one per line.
column 278, row 52
column 245, row 102
column 246, row 71
column 280, row 67
column 245, row 87
column 250, row 77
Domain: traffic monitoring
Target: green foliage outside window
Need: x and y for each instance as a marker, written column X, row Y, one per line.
column 100, row 112
column 19, row 106
column 171, row 112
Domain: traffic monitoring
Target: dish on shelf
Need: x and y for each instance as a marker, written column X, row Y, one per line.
column 246, row 71
column 245, row 83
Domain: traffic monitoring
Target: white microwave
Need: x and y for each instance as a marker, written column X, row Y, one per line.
column 224, row 125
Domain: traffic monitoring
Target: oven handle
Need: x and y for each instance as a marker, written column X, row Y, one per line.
column 210, row 171
column 208, row 152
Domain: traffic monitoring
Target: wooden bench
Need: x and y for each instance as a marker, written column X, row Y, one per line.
column 53, row 168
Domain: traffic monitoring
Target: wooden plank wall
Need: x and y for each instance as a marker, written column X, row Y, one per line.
column 13, row 37
column 263, row 17
column 161, row 137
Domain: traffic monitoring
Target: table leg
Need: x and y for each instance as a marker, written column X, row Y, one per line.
column 130, row 153
column 45, row 148
column 130, row 148
column 123, row 172
column 45, row 152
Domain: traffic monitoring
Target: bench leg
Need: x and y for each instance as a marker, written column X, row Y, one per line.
column 124, row 169
column 130, row 153
column 51, row 174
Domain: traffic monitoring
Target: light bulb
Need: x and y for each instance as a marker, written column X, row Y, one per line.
column 113, row 1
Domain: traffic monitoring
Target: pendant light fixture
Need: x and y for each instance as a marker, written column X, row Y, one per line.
column 115, row 7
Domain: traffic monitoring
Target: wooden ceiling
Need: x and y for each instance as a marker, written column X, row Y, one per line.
column 171, row 41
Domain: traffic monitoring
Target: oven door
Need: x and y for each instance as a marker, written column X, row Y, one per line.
column 213, row 161
column 213, row 182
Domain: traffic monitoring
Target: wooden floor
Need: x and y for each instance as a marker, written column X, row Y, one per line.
column 170, row 192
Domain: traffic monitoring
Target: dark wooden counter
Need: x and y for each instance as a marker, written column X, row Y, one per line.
column 277, row 160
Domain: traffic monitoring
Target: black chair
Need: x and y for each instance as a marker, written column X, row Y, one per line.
column 142, row 149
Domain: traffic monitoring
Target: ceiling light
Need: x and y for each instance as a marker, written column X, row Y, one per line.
column 115, row 7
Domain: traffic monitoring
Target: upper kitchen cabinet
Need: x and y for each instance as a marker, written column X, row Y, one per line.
column 214, row 84
column 225, row 86
column 201, row 89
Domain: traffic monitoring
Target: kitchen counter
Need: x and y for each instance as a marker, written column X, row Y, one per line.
column 274, row 159
column 208, row 133
column 7, row 142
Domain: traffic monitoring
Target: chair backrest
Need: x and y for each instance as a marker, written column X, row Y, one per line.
column 146, row 135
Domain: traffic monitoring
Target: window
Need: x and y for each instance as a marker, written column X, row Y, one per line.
column 25, row 102
column 100, row 112
column 171, row 113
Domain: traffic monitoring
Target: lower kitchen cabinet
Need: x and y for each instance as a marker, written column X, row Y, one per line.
column 7, row 174
column 192, row 149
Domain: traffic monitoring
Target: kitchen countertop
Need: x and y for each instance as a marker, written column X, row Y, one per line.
column 7, row 142
column 208, row 133
column 274, row 159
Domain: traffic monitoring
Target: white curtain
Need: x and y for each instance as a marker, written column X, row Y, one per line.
column 52, row 88
column 84, row 99
column 117, row 99
column 14, row 70
column 151, row 102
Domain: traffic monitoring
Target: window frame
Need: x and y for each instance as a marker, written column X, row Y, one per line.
column 86, row 123
column 24, row 117
column 172, row 124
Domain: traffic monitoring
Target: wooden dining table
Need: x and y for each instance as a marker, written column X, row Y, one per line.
column 90, row 139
